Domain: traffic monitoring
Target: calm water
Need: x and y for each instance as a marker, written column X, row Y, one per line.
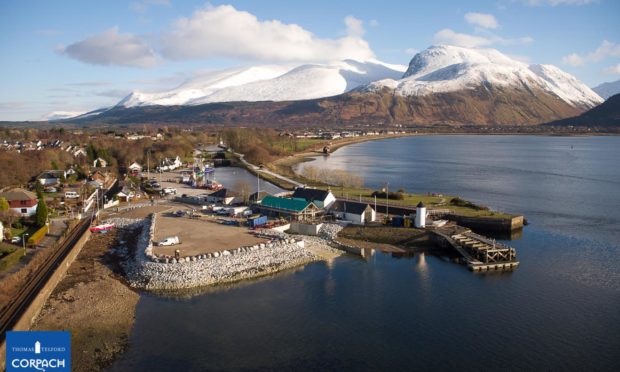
column 238, row 179
column 559, row 311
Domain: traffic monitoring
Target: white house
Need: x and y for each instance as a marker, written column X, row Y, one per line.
column 135, row 168
column 321, row 198
column 169, row 164
column 99, row 162
column 1, row 231
column 355, row 212
column 51, row 177
column 225, row 197
column 21, row 201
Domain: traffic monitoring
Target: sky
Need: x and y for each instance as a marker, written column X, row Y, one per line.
column 77, row 56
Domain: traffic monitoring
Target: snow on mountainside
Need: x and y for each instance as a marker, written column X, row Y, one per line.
column 607, row 90
column 445, row 68
column 61, row 115
column 270, row 83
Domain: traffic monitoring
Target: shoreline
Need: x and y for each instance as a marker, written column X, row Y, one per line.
column 145, row 271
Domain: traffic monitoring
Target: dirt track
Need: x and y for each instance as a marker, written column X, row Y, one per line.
column 94, row 304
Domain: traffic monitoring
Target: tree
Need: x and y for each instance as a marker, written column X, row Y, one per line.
column 41, row 216
column 4, row 205
column 39, row 189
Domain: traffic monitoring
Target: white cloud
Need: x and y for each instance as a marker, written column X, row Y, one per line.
column 613, row 69
column 482, row 20
column 144, row 5
column 355, row 27
column 605, row 50
column 411, row 51
column 573, row 60
column 112, row 48
column 224, row 31
column 448, row 36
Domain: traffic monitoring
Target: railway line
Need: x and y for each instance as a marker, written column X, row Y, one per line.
column 10, row 315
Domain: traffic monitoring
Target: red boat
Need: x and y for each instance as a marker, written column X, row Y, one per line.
column 102, row 228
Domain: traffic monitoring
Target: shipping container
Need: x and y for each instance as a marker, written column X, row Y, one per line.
column 258, row 221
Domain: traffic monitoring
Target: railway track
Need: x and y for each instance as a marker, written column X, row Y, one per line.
column 11, row 313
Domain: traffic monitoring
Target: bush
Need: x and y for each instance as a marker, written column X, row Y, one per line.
column 391, row 195
column 37, row 236
column 18, row 224
column 467, row 204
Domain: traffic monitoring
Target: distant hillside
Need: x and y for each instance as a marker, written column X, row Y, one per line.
column 492, row 105
column 606, row 114
column 607, row 90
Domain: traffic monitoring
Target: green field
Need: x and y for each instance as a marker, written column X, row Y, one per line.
column 411, row 200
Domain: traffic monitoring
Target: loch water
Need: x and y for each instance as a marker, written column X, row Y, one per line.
column 560, row 310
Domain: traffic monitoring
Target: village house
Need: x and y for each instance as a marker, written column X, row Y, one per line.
column 21, row 201
column 135, row 168
column 169, row 164
column 225, row 197
column 355, row 212
column 100, row 163
column 51, row 177
column 290, row 208
column 321, row 198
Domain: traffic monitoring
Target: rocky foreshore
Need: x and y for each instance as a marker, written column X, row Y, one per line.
column 143, row 270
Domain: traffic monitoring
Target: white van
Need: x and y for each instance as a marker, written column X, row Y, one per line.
column 71, row 195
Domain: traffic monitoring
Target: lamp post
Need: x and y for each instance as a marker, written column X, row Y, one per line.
column 24, row 242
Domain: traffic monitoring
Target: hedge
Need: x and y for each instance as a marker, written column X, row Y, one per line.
column 11, row 259
column 37, row 236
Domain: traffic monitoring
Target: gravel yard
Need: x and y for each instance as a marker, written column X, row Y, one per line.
column 200, row 236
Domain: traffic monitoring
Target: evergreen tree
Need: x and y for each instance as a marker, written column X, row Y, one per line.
column 39, row 189
column 41, row 213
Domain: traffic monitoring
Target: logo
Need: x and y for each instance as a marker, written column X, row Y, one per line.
column 38, row 351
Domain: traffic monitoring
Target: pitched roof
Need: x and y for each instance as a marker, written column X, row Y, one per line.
column 224, row 193
column 261, row 195
column 287, row 204
column 349, row 207
column 18, row 194
column 310, row 194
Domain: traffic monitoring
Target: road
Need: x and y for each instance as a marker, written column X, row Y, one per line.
column 266, row 171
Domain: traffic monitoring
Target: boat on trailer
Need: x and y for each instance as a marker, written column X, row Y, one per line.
column 102, row 228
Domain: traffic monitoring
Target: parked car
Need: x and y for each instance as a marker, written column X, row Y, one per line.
column 172, row 240
column 16, row 239
column 71, row 195
column 169, row 190
column 50, row 189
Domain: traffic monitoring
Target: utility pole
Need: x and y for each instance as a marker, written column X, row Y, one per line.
column 387, row 200
column 24, row 242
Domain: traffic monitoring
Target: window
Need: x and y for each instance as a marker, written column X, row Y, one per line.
column 24, row 210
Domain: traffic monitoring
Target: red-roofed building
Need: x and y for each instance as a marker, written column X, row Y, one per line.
column 21, row 201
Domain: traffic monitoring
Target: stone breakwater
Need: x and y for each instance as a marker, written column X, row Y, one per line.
column 144, row 270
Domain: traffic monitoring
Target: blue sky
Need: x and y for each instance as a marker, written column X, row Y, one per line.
column 80, row 55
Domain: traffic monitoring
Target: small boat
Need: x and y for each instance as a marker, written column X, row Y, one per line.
column 102, row 228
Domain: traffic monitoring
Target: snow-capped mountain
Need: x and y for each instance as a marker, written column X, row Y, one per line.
column 270, row 83
column 607, row 90
column 444, row 68
column 61, row 115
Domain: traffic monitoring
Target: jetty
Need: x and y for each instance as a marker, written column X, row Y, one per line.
column 480, row 253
